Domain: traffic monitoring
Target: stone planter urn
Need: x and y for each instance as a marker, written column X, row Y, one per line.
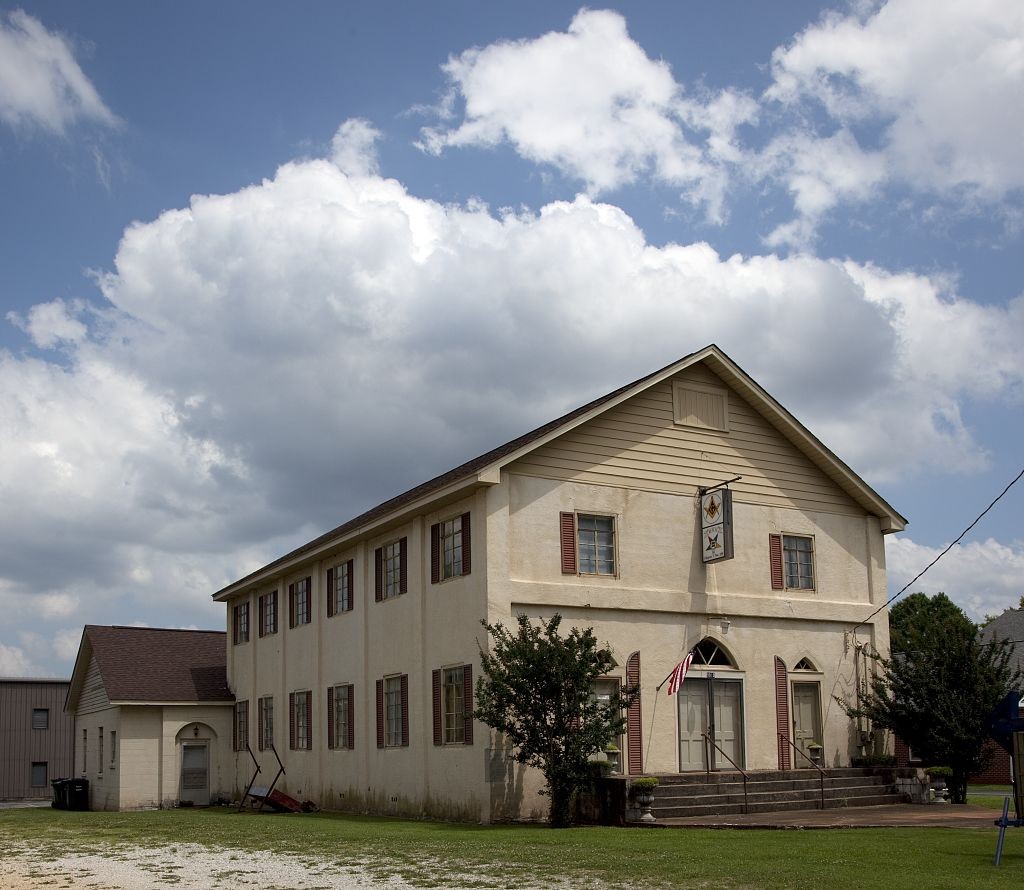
column 642, row 794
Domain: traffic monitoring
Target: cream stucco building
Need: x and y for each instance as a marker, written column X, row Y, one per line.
column 354, row 656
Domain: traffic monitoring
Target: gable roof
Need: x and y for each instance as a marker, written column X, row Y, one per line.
column 1008, row 626
column 153, row 664
column 485, row 469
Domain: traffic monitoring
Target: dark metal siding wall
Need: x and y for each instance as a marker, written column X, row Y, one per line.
column 21, row 745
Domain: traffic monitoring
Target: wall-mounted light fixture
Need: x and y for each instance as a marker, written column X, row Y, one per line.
column 726, row 624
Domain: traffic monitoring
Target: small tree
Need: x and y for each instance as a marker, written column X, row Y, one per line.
column 537, row 689
column 939, row 687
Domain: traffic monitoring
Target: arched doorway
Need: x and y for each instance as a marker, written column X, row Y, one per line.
column 710, row 700
column 195, row 742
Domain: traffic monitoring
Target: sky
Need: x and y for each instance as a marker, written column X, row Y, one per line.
column 267, row 265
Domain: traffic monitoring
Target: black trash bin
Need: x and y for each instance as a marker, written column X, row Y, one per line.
column 60, row 793
column 78, row 794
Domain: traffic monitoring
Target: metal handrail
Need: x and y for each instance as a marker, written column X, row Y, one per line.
column 821, row 772
column 710, row 741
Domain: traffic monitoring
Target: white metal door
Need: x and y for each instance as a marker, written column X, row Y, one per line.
column 195, row 774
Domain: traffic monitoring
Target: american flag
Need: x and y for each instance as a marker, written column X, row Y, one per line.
column 675, row 679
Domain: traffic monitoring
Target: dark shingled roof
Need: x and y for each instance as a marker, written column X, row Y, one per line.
column 1008, row 626
column 156, row 664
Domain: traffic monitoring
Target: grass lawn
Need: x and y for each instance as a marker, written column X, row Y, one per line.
column 513, row 855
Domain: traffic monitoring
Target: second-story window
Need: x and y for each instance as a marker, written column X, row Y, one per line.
column 300, row 602
column 595, row 541
column 241, row 623
column 268, row 613
column 451, row 548
column 392, row 569
column 798, row 560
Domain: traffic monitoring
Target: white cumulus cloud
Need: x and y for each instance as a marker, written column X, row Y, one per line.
column 41, row 83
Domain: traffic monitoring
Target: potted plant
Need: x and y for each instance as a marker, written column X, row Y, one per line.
column 937, row 776
column 641, row 791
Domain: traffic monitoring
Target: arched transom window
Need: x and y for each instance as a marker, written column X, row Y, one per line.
column 805, row 664
column 708, row 652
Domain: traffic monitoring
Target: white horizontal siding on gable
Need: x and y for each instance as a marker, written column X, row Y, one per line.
column 638, row 445
column 93, row 696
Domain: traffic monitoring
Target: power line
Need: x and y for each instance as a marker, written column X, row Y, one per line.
column 962, row 535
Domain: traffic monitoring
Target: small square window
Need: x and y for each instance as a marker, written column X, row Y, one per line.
column 798, row 561
column 595, row 542
column 40, row 718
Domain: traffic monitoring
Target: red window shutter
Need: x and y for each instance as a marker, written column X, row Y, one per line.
column 291, row 605
column 330, row 593
column 331, row 740
column 405, row 709
column 291, row 720
column 634, row 727
column 467, row 693
column 260, row 604
column 308, row 614
column 309, row 721
column 567, row 527
column 438, row 735
column 351, row 716
column 403, row 565
column 435, row 553
column 380, row 712
column 782, row 711
column 234, row 632
column 378, row 574
column 467, row 546
column 350, row 570
column 775, row 559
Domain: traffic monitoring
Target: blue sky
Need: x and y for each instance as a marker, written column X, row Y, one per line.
column 266, row 265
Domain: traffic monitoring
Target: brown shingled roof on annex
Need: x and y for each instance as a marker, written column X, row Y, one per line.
column 154, row 664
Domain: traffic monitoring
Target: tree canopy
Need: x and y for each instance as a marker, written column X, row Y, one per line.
column 537, row 688
column 939, row 686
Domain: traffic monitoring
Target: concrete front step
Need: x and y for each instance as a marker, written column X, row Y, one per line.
column 735, row 809
column 666, row 792
column 702, row 794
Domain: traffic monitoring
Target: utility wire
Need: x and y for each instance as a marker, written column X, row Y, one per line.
column 962, row 535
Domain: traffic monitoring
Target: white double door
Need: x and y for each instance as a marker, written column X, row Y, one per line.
column 713, row 705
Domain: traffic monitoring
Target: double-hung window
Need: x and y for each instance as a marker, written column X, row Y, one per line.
column 301, row 719
column 450, row 548
column 393, row 711
column 241, row 725
column 588, row 544
column 453, row 705
column 391, row 563
column 340, row 715
column 300, row 607
column 265, row 712
column 339, row 588
column 241, row 623
column 268, row 613
column 798, row 559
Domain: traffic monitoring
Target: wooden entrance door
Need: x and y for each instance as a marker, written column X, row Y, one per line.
column 728, row 722
column 693, row 720
column 806, row 720
column 195, row 773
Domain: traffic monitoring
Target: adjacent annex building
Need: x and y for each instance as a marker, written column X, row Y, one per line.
column 36, row 743
column 354, row 656
column 152, row 717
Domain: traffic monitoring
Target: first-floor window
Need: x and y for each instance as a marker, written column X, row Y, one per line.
column 241, row 725
column 393, row 711
column 606, row 692
column 453, row 695
column 266, row 716
column 85, row 751
column 798, row 559
column 113, row 748
column 340, row 704
column 39, row 774
column 99, row 753
column 301, row 717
